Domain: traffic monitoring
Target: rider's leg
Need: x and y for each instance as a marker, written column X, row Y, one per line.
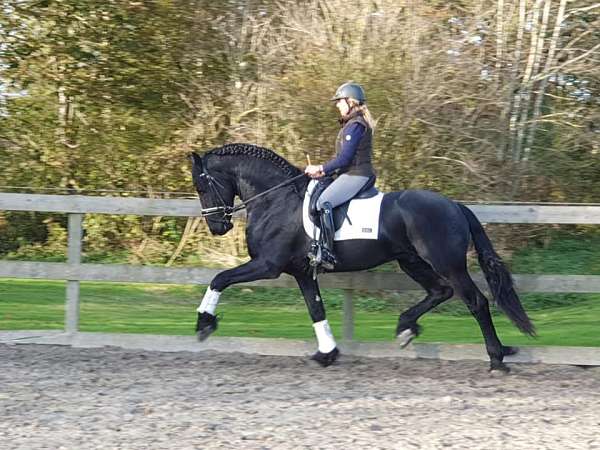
column 340, row 191
column 327, row 234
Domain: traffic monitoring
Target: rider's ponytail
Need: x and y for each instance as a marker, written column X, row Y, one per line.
column 362, row 107
column 367, row 115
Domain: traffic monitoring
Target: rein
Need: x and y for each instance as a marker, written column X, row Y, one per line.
column 228, row 211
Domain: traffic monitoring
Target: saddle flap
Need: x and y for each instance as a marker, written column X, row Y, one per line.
column 356, row 219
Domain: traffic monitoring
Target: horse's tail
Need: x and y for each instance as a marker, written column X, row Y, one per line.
column 497, row 275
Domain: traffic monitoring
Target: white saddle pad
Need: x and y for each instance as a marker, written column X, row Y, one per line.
column 363, row 214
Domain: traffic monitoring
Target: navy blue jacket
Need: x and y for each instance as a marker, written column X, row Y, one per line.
column 351, row 139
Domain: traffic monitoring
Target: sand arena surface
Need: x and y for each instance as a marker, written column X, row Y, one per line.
column 67, row 398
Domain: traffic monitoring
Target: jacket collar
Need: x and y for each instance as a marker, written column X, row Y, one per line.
column 345, row 119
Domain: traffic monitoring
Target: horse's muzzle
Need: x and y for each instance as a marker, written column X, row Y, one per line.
column 221, row 229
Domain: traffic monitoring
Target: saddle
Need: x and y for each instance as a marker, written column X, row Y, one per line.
column 340, row 213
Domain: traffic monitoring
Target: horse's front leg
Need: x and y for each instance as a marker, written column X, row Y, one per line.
column 255, row 269
column 327, row 352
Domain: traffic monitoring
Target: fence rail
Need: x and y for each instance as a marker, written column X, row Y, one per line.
column 75, row 206
column 81, row 204
column 366, row 281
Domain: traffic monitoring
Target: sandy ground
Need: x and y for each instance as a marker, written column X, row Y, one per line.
column 64, row 398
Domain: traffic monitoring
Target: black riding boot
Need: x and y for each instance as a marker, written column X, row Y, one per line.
column 328, row 260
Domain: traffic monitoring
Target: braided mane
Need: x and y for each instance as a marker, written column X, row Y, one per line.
column 256, row 152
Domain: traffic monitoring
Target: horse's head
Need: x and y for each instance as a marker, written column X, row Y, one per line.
column 215, row 191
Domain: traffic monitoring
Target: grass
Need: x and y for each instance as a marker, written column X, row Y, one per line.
column 561, row 319
column 262, row 312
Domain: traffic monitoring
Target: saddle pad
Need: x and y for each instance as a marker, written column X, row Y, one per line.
column 363, row 214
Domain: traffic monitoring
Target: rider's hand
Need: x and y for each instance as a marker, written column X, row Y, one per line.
column 314, row 171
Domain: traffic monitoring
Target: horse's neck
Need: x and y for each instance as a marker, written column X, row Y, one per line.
column 256, row 177
column 253, row 183
column 288, row 196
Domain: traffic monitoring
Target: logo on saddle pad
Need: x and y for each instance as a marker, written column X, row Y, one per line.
column 358, row 219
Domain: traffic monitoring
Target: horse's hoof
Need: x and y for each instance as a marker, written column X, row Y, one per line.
column 203, row 334
column 406, row 337
column 205, row 325
column 509, row 350
column 326, row 359
column 499, row 368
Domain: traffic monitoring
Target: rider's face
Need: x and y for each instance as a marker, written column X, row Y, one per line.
column 342, row 106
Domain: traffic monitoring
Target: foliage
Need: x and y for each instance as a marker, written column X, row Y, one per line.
column 54, row 248
column 486, row 100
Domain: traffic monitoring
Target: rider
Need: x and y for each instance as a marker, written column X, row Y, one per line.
column 352, row 165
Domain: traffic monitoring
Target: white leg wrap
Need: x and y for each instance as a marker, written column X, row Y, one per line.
column 324, row 336
column 209, row 302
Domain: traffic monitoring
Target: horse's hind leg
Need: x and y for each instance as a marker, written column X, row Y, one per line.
column 478, row 305
column 438, row 291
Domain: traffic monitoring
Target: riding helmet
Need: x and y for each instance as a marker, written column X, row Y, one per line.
column 350, row 90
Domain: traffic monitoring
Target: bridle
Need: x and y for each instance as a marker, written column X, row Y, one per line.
column 226, row 212
column 223, row 209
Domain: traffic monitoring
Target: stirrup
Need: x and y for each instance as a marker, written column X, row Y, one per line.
column 315, row 258
column 314, row 254
column 322, row 258
column 328, row 260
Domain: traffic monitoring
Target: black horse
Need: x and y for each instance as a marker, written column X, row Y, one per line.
column 425, row 232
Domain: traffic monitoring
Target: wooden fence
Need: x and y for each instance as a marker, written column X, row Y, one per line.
column 74, row 271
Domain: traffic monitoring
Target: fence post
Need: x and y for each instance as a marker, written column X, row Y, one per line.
column 348, row 330
column 73, row 257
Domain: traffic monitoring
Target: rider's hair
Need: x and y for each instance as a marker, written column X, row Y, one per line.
column 362, row 107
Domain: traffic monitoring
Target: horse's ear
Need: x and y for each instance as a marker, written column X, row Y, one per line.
column 196, row 160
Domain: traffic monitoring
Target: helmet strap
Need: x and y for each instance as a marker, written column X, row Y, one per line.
column 351, row 107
